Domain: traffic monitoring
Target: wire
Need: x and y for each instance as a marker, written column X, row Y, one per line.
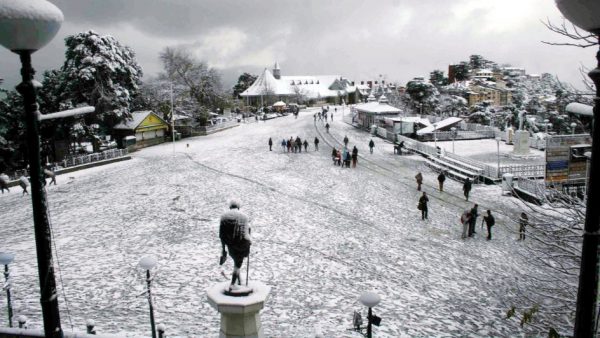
column 62, row 285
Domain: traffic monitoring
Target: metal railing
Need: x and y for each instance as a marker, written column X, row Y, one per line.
column 84, row 159
column 534, row 187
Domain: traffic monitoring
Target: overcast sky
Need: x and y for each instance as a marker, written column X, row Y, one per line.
column 399, row 39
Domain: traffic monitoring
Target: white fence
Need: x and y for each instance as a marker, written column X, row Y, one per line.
column 105, row 155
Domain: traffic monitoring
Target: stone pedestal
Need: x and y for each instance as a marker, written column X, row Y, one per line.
column 240, row 316
column 521, row 142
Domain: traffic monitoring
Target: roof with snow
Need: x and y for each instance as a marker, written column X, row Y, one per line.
column 410, row 119
column 317, row 86
column 138, row 117
column 377, row 108
column 439, row 125
column 580, row 109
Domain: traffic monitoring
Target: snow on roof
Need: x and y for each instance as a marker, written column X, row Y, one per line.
column 312, row 87
column 136, row 118
column 580, row 109
column 439, row 125
column 377, row 108
column 410, row 119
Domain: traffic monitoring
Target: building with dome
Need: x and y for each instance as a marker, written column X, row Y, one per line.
column 271, row 86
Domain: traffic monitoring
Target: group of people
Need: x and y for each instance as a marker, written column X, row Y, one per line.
column 343, row 157
column 323, row 115
column 24, row 181
column 469, row 217
column 292, row 145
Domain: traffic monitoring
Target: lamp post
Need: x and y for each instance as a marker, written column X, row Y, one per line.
column 25, row 27
column 5, row 259
column 435, row 134
column 546, row 121
column 453, row 129
column 584, row 14
column 573, row 126
column 370, row 300
column 498, row 147
column 147, row 263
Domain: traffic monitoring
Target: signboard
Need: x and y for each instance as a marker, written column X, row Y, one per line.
column 565, row 162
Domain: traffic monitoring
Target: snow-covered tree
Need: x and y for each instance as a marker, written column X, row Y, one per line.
column 12, row 130
column 244, row 81
column 101, row 72
column 437, row 78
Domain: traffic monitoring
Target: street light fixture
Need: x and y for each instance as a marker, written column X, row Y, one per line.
column 25, row 27
column 498, row 139
column 5, row 259
column 147, row 263
column 435, row 134
column 546, row 121
column 584, row 14
column 370, row 300
column 573, row 126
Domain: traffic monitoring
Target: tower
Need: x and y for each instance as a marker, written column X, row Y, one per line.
column 276, row 71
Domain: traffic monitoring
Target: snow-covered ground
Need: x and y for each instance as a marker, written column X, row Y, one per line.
column 322, row 235
column 486, row 151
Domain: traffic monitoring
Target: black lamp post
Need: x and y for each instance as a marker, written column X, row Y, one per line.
column 5, row 259
column 25, row 27
column 147, row 263
column 586, row 15
column 370, row 300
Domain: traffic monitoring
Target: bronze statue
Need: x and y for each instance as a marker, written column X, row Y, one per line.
column 234, row 232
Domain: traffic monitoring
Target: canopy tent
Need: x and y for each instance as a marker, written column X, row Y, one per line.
column 279, row 104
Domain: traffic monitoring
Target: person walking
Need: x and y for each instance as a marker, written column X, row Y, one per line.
column 344, row 153
column 348, row 159
column 327, row 127
column 305, row 145
column 419, row 178
column 345, row 140
column 371, row 145
column 298, row 144
column 289, row 145
column 423, row 206
column 24, row 183
column 283, row 145
column 465, row 220
column 523, row 222
column 270, row 144
column 49, row 173
column 354, row 156
column 473, row 221
column 489, row 222
column 467, row 188
column 4, row 182
column 441, row 179
column 317, row 144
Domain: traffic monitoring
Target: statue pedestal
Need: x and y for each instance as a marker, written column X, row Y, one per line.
column 240, row 316
column 521, row 142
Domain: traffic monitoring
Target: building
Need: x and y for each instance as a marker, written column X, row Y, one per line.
column 374, row 112
column 270, row 87
column 147, row 127
column 495, row 96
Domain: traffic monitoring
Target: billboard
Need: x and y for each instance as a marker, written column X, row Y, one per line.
column 565, row 159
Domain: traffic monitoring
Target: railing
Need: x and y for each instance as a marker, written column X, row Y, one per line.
column 537, row 143
column 105, row 155
column 534, row 187
column 527, row 170
column 417, row 146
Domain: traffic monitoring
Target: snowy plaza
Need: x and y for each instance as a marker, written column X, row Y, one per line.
column 321, row 235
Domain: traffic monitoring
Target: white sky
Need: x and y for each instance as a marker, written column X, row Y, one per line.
column 399, row 39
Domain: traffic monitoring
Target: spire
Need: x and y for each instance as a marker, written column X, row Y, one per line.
column 276, row 71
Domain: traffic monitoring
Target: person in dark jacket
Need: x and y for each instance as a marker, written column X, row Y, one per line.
column 489, row 222
column 327, row 127
column 473, row 220
column 419, row 179
column 305, row 145
column 345, row 140
column 467, row 188
column 283, row 145
column 423, row 206
column 348, row 159
column 354, row 156
column 371, row 145
column 441, row 179
column 523, row 222
column 316, row 144
column 270, row 144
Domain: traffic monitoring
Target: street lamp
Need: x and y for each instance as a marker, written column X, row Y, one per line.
column 5, row 259
column 370, row 300
column 435, row 134
column 546, row 121
column 25, row 27
column 584, row 14
column 498, row 147
column 453, row 129
column 573, row 125
column 147, row 263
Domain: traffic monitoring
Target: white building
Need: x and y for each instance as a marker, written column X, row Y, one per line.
column 270, row 87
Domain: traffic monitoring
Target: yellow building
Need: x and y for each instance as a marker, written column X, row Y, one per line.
column 147, row 127
column 496, row 96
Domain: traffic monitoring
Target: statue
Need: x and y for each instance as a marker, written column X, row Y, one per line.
column 521, row 113
column 234, row 232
